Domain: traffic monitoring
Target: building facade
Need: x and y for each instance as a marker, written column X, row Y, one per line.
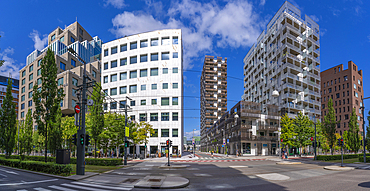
column 213, row 94
column 345, row 88
column 15, row 91
column 286, row 58
column 70, row 68
column 146, row 72
column 245, row 129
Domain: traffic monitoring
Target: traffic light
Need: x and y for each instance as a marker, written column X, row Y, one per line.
column 341, row 142
column 338, row 142
column 281, row 140
column 82, row 139
column 127, row 144
column 311, row 138
column 167, row 143
column 170, row 143
column 74, row 139
column 87, row 142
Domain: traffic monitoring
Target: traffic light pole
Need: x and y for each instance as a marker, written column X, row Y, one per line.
column 168, row 147
column 125, row 151
column 315, row 144
column 341, row 144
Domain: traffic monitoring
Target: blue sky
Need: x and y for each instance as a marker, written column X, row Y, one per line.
column 219, row 28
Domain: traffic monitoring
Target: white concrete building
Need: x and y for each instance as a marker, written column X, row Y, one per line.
column 147, row 68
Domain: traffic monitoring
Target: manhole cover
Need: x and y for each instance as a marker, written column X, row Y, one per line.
column 129, row 180
column 154, row 180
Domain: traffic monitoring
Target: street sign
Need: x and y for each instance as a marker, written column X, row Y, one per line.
column 127, row 132
column 77, row 109
column 193, row 141
column 224, row 141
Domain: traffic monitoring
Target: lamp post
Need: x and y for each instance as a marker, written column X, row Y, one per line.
column 236, row 116
column 276, row 94
column 315, row 143
column 125, row 151
column 363, row 126
column 193, row 143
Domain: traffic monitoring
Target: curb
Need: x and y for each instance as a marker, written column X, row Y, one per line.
column 164, row 183
column 288, row 163
column 172, row 167
column 338, row 168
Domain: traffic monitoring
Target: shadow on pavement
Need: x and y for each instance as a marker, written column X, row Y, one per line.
column 364, row 184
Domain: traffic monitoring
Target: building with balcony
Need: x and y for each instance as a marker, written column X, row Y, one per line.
column 70, row 68
column 345, row 88
column 245, row 129
column 15, row 91
column 145, row 72
column 286, row 58
column 213, row 94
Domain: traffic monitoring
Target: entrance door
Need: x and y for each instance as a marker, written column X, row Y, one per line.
column 259, row 148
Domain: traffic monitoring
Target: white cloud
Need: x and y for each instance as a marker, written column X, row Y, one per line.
column 202, row 24
column 322, row 31
column 189, row 135
column 39, row 43
column 9, row 66
column 119, row 4
column 314, row 18
column 262, row 2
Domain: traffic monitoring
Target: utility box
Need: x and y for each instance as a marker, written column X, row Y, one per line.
column 63, row 156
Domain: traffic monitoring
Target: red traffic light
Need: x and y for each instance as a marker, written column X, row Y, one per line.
column 341, row 140
column 281, row 140
column 311, row 138
column 167, row 142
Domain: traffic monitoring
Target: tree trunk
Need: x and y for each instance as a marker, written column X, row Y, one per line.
column 46, row 144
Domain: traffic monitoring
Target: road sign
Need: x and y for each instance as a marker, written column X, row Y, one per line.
column 224, row 141
column 227, row 140
column 127, row 132
column 193, row 141
column 77, row 109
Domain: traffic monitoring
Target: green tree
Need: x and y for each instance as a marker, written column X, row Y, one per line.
column 48, row 97
column 25, row 134
column 288, row 133
column 145, row 129
column 330, row 125
column 8, row 118
column 304, row 130
column 353, row 133
column 38, row 141
column 69, row 128
column 320, row 137
column 56, row 132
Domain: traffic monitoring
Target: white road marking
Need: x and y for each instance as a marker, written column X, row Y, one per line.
column 79, row 187
column 101, row 186
column 198, row 174
column 22, row 190
column 41, row 189
column 10, row 172
column 238, row 166
column 3, row 175
column 251, row 176
column 21, row 183
column 61, row 188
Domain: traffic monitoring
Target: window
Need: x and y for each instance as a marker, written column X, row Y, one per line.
column 154, row 101
column 133, row 60
column 133, row 89
column 39, row 81
column 22, row 114
column 175, row 55
column 358, row 118
column 30, row 94
column 356, row 94
column 74, row 92
column 53, row 37
column 165, row 70
column 175, row 85
column 359, row 110
column 22, row 106
column 30, row 86
column 347, row 85
column 133, row 74
column 154, row 72
column 61, row 39
column 123, row 90
column 72, row 40
column 343, row 86
column 331, row 82
column 39, row 62
column 113, row 64
column 175, row 70
column 175, row 132
column 122, row 104
column 165, row 117
column 123, row 47
column 335, row 88
column 359, row 82
column 337, row 95
column 105, row 79
column 144, row 58
column 31, row 68
column 74, row 82
column 175, row 40
column 165, row 101
column 23, row 73
column 165, row 132
column 354, row 86
column 142, row 117
column 324, row 85
column 60, row 81
column 154, row 86
column 335, row 81
column 175, row 101
column 23, row 97
column 30, row 77
column 154, row 42
column 154, row 117
column 143, row 43
column 73, row 62
column 94, row 73
column 347, row 93
column 165, row 55
column 106, row 66
column 113, row 50
column 62, row 66
column 123, row 62
column 155, row 134
column 154, row 57
column 133, row 45
column 165, row 86
column 143, row 87
column 30, row 103
column 113, row 78
column 329, row 90
column 143, row 73
column 23, row 90
column 175, row 116
column 123, row 76
column 166, row 41
column 346, row 116
column 323, row 106
column 143, row 102
column 132, row 103
column 105, row 106
column 113, row 105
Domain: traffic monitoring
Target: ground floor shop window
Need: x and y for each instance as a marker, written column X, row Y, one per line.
column 175, row 150
column 153, row 149
column 246, row 148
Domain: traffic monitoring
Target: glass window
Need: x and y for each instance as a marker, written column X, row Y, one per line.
column 22, row 114
column 143, row 87
column 30, row 103
column 23, row 73
column 166, row 41
column 123, row 90
column 142, row 117
column 165, row 71
column 30, row 77
column 72, row 40
column 113, row 91
column 154, row 57
column 106, row 52
column 113, row 64
column 62, row 39
column 133, row 89
column 359, row 82
column 31, row 68
column 105, row 79
column 175, row 40
column 154, row 42
column 144, row 58
column 113, row 78
column 60, row 81
column 39, row 81
column 165, row 86
column 133, row 74
column 354, row 86
column 133, row 45
column 175, row 101
column 123, row 47
column 105, row 106
column 165, row 117
column 175, row 116
column 62, row 66
column 133, row 60
column 175, row 55
column 356, row 94
column 165, row 101
column 122, row 104
column 113, row 105
column 175, row 70
column 53, row 37
column 105, row 92
column 73, row 62
column 39, row 62
column 165, row 55
column 22, row 106
column 132, row 103
column 106, row 66
column 123, row 76
column 154, row 117
column 143, row 73
column 143, row 43
column 30, row 94
column 113, row 50
column 175, row 85
column 154, row 72
column 175, row 132
column 143, row 102
column 23, row 90
column 154, row 101
column 74, row 92
column 165, row 133
column 94, row 73
column 123, row 62
column 23, row 97
column 154, row 86
column 74, row 82
column 30, row 86
column 23, row 81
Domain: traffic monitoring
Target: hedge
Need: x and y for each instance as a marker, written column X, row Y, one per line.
column 361, row 157
column 50, row 168
column 335, row 157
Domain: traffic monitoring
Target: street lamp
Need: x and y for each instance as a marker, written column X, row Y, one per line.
column 126, row 120
column 193, row 143
column 363, row 126
column 275, row 94
column 236, row 116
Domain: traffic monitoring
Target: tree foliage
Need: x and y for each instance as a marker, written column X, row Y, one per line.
column 25, row 134
column 287, row 131
column 330, row 125
column 69, row 128
column 354, row 140
column 304, row 130
column 56, row 132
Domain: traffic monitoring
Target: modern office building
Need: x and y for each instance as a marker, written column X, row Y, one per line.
column 145, row 71
column 213, row 94
column 345, row 88
column 70, row 68
column 15, row 91
column 286, row 58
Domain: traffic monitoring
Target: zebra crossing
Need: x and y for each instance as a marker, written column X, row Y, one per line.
column 213, row 158
column 76, row 186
